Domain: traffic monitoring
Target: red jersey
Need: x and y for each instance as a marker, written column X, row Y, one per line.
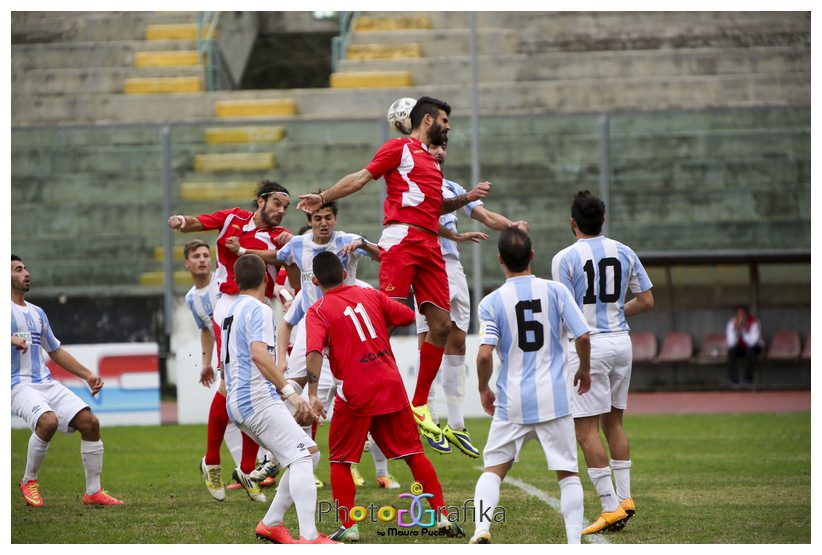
column 237, row 222
column 413, row 181
column 353, row 322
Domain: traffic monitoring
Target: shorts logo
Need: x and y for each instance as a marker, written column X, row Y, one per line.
column 389, row 287
column 35, row 409
column 300, row 446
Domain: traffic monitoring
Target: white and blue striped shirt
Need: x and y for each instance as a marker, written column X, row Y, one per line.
column 31, row 323
column 451, row 189
column 599, row 271
column 301, row 251
column 201, row 302
column 526, row 319
column 247, row 391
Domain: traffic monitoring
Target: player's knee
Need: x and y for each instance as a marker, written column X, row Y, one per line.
column 87, row 424
column 46, row 426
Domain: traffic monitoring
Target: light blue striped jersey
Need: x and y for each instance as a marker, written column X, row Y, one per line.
column 301, row 251
column 599, row 271
column 450, row 189
column 528, row 319
column 248, row 392
column 31, row 323
column 201, row 302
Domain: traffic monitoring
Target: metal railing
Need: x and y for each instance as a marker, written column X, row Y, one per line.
column 339, row 44
column 217, row 75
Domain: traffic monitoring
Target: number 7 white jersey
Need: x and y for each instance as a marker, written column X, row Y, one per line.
column 599, row 271
column 528, row 320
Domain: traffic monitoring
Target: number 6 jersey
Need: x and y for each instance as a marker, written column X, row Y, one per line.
column 528, row 319
column 599, row 271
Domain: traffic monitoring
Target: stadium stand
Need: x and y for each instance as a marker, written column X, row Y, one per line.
column 644, row 346
column 806, row 351
column 714, row 349
column 785, row 345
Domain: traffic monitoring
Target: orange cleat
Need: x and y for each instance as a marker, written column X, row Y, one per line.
column 100, row 498
column 274, row 534
column 31, row 493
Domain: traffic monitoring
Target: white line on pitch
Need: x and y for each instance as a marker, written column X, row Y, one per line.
column 552, row 502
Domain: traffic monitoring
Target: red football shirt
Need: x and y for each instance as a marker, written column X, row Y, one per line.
column 237, row 222
column 413, row 181
column 353, row 322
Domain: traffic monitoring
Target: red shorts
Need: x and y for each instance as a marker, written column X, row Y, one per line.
column 396, row 433
column 412, row 257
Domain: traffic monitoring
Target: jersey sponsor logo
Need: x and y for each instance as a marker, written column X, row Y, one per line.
column 235, row 226
column 418, row 151
column 307, row 277
column 372, row 357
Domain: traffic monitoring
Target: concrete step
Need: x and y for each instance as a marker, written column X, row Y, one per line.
column 362, row 52
column 224, row 191
column 176, row 31
column 365, row 23
column 100, row 80
column 452, row 41
column 250, row 162
column 89, row 54
column 158, row 278
column 371, row 80
column 159, row 254
column 163, row 85
column 254, row 107
column 167, row 58
column 62, row 27
column 526, row 97
column 590, row 65
column 244, row 135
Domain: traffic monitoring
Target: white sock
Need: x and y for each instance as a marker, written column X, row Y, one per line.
column 282, row 501
column 36, row 455
column 380, row 462
column 571, row 506
column 622, row 478
column 92, row 455
column 304, row 493
column 486, row 498
column 601, row 478
column 234, row 441
column 453, row 384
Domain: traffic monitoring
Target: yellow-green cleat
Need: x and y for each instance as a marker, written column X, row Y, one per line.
column 428, row 427
column 461, row 440
column 607, row 521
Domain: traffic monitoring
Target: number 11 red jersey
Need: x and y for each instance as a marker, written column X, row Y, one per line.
column 352, row 322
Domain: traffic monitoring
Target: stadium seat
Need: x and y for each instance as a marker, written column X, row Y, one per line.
column 676, row 347
column 644, row 346
column 714, row 349
column 785, row 345
column 806, row 352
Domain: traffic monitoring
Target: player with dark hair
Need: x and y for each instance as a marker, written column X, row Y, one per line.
column 599, row 271
column 45, row 404
column 525, row 321
column 350, row 324
column 253, row 387
column 410, row 253
column 240, row 232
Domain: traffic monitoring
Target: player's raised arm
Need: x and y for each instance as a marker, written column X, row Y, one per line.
column 185, row 224
column 348, row 185
column 480, row 191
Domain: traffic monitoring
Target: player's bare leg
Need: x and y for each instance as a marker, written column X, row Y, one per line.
column 596, row 458
column 619, row 447
column 91, row 451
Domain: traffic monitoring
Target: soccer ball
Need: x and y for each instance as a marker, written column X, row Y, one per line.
column 399, row 115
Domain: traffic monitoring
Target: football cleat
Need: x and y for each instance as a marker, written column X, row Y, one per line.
column 607, row 521
column 273, row 534
column 100, row 498
column 426, row 424
column 480, row 537
column 451, row 529
column 387, row 482
column 252, row 487
column 343, row 534
column 321, row 538
column 266, row 469
column 213, row 479
column 359, row 481
column 628, row 506
column 318, row 483
column 235, row 485
column 461, row 440
column 442, row 447
column 31, row 493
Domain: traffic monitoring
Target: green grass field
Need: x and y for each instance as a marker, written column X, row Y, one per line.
column 695, row 479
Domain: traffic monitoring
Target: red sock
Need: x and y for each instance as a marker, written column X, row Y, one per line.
column 430, row 360
column 248, row 461
column 424, row 473
column 217, row 423
column 343, row 490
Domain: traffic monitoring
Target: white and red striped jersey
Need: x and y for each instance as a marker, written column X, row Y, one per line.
column 413, row 180
column 237, row 222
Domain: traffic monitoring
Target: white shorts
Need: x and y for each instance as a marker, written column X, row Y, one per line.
column 557, row 437
column 327, row 387
column 30, row 401
column 460, row 300
column 274, row 429
column 611, row 357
